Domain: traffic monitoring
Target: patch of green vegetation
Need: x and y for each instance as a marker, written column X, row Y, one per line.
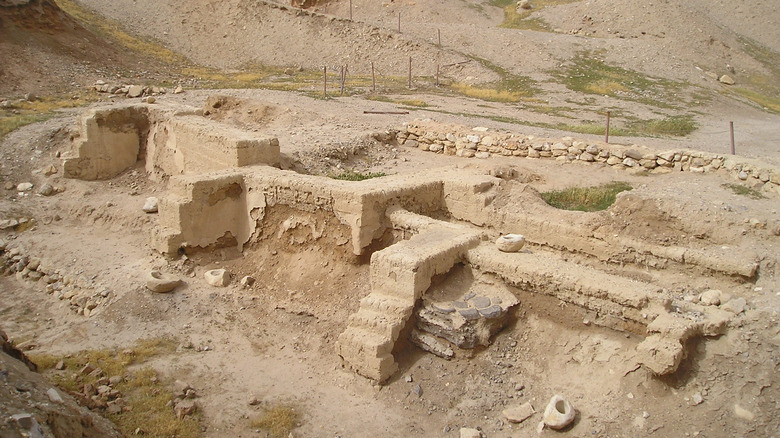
column 677, row 126
column 278, row 420
column 509, row 88
column 43, row 108
column 741, row 190
column 351, row 175
column 145, row 394
column 767, row 101
column 586, row 73
column 514, row 19
column 586, row 198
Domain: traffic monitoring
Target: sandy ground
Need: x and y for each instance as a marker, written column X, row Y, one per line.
column 275, row 341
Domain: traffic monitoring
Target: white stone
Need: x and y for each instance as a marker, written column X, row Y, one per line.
column 510, row 242
column 24, row 187
column 518, row 414
column 178, row 90
column 710, row 297
column 54, row 396
column 135, row 91
column 727, row 80
column 161, row 283
column 217, row 277
column 467, row 432
column 559, row 413
column 150, row 206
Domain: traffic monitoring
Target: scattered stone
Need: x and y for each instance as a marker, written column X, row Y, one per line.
column 162, row 283
column 247, row 281
column 518, row 414
column 185, row 407
column 60, row 365
column 559, row 413
column 743, row 413
column 28, row 423
column 726, row 80
column 430, row 344
column 54, row 396
column 149, row 99
column 135, row 91
column 8, row 224
column 46, row 190
column 524, row 4
column 735, row 305
column 178, row 90
column 217, row 277
column 253, row 401
column 150, row 206
column 697, row 399
column 510, row 242
column 467, row 432
column 49, row 170
column 24, row 187
column 417, row 390
column 87, row 369
column 710, row 297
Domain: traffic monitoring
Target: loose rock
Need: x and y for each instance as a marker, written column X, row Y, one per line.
column 559, row 413
column 510, row 242
column 710, row 297
column 217, row 277
column 518, row 414
column 150, row 206
column 162, row 283
column 467, row 432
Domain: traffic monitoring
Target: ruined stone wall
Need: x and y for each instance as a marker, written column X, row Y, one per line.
column 468, row 143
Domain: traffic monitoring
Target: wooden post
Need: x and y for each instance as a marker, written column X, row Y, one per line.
column 731, row 128
column 438, row 33
column 342, row 79
column 410, row 72
column 325, row 81
column 373, row 78
column 350, row 10
column 606, row 137
column 437, row 75
column 399, row 22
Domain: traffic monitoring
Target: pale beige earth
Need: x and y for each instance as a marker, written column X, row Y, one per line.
column 276, row 340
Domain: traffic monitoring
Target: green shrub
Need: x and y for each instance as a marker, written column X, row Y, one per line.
column 586, row 198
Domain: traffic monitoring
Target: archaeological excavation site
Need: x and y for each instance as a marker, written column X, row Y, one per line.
column 213, row 257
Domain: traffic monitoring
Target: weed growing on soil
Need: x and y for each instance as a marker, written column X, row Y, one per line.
column 357, row 176
column 43, row 108
column 744, row 191
column 586, row 198
column 145, row 395
column 278, row 420
column 515, row 19
column 763, row 89
column 509, row 88
column 588, row 74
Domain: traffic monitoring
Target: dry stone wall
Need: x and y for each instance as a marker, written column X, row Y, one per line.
column 483, row 143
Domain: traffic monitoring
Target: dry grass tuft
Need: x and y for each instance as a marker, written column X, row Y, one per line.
column 278, row 420
column 146, row 396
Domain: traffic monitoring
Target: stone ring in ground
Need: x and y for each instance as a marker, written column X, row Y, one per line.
column 559, row 413
column 162, row 283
